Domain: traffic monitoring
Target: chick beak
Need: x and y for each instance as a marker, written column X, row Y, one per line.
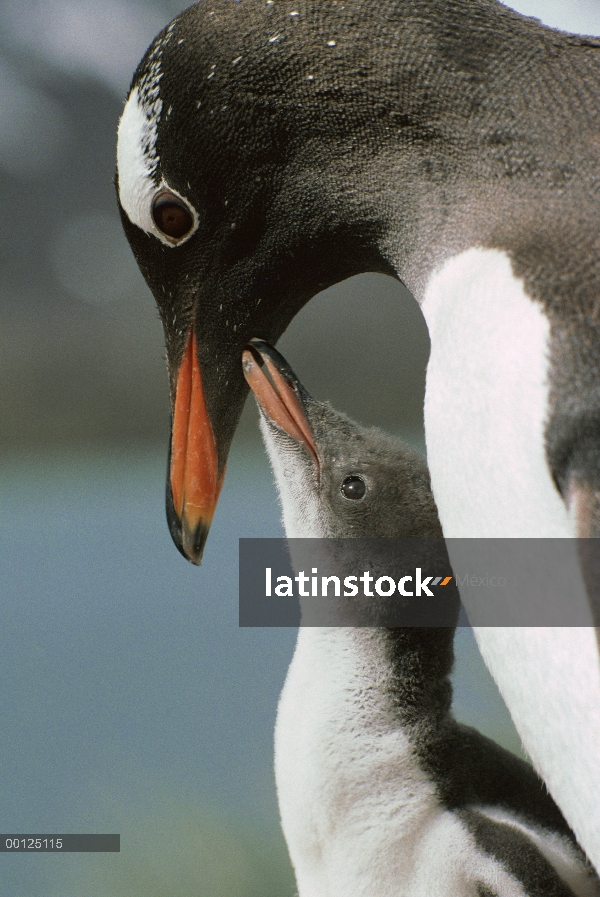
column 278, row 393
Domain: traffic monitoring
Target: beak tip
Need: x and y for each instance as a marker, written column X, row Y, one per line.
column 189, row 539
column 248, row 362
column 193, row 539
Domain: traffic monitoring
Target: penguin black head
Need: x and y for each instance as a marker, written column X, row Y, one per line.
column 268, row 150
column 336, row 479
column 235, row 209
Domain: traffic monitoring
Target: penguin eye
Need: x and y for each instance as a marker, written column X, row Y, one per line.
column 354, row 487
column 171, row 216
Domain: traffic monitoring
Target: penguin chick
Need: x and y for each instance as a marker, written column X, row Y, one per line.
column 381, row 792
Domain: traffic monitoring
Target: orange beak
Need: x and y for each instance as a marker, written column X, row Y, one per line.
column 278, row 400
column 195, row 483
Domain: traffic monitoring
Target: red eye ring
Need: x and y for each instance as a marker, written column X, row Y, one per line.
column 172, row 216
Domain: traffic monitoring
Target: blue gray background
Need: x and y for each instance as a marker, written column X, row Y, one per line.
column 130, row 700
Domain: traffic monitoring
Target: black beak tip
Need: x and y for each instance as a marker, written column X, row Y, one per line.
column 174, row 524
column 190, row 545
column 194, row 542
column 261, row 348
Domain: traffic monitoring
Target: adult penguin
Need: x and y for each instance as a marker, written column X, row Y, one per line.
column 270, row 149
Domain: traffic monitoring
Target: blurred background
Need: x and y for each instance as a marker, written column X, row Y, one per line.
column 130, row 701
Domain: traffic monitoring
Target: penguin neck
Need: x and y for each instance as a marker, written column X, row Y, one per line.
column 357, row 708
column 400, row 677
column 477, row 148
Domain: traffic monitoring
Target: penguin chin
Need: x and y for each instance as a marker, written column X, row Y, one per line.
column 297, row 481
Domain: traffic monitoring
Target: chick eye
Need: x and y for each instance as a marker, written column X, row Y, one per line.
column 354, row 487
column 171, row 216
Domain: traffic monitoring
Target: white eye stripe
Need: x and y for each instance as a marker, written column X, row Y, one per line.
column 137, row 161
column 137, row 164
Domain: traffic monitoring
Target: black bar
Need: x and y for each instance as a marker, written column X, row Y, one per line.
column 60, row 843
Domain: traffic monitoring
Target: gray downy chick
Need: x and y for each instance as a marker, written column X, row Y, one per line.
column 381, row 792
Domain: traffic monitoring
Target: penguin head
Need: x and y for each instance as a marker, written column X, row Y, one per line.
column 335, row 478
column 237, row 210
column 268, row 150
